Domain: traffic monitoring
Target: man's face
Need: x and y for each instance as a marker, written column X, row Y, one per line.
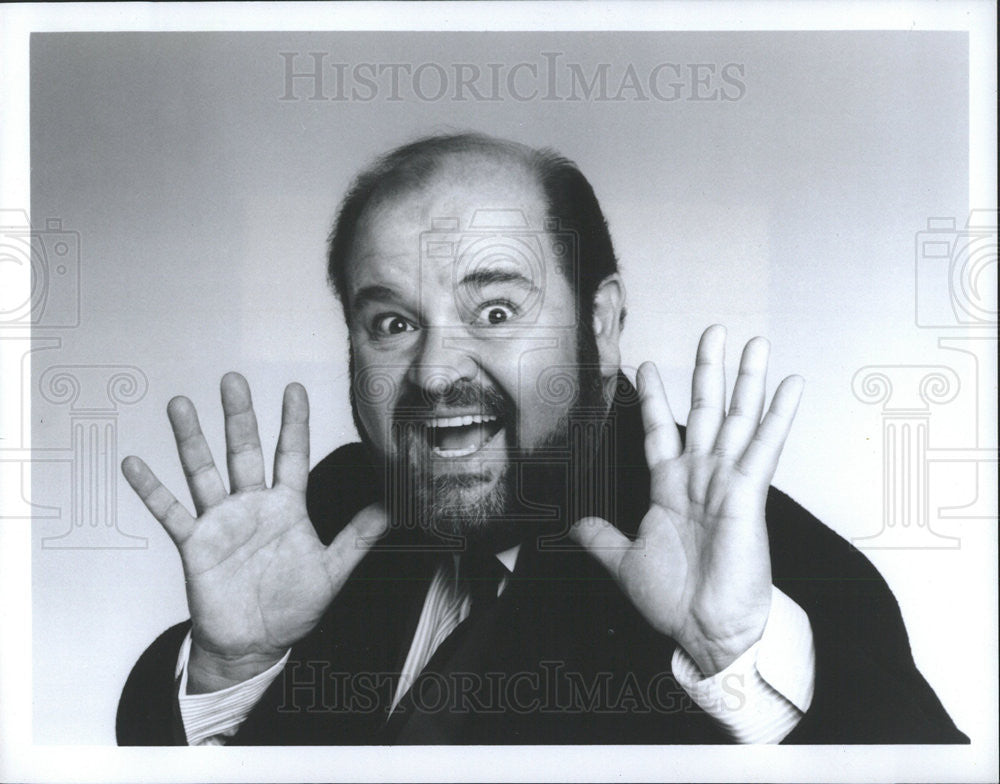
column 464, row 341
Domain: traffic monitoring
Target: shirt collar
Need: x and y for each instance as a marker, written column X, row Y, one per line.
column 509, row 557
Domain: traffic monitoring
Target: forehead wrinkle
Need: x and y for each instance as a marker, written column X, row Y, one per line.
column 485, row 276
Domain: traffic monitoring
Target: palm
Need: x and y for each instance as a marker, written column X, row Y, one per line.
column 256, row 573
column 258, row 578
column 700, row 553
column 699, row 568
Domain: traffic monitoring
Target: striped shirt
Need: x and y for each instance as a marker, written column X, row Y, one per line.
column 447, row 604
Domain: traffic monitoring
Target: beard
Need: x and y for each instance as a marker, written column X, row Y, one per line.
column 517, row 492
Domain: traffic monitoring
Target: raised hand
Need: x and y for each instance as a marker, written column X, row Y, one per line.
column 258, row 578
column 699, row 569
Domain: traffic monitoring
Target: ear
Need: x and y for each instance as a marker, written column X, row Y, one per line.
column 609, row 307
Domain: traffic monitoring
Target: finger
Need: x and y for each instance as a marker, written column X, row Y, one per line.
column 747, row 403
column 353, row 543
column 708, row 391
column 243, row 453
column 663, row 441
column 760, row 460
column 168, row 511
column 603, row 541
column 291, row 459
column 203, row 477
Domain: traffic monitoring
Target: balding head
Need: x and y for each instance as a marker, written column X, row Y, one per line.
column 478, row 161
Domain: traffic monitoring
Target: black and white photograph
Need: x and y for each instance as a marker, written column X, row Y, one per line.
column 498, row 391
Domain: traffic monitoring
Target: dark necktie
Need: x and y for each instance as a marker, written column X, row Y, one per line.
column 481, row 574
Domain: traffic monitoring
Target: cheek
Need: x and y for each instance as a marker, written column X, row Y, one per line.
column 546, row 386
column 374, row 420
column 377, row 386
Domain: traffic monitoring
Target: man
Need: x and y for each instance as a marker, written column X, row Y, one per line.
column 525, row 549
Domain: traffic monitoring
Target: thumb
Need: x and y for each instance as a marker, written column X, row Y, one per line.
column 357, row 538
column 602, row 540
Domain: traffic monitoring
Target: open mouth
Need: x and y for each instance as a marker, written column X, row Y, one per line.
column 461, row 436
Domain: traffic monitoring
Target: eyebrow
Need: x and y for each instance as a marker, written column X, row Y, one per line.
column 483, row 277
column 479, row 278
column 373, row 293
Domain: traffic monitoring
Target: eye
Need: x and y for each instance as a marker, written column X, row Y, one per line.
column 391, row 324
column 495, row 313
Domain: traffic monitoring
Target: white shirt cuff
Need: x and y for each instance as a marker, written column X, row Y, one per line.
column 761, row 696
column 209, row 719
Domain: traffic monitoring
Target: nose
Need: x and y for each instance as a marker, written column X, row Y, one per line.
column 441, row 362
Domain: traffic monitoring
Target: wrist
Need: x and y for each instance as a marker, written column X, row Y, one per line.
column 712, row 659
column 209, row 671
column 714, row 653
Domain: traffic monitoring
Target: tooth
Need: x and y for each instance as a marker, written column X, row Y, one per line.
column 461, row 421
column 455, row 452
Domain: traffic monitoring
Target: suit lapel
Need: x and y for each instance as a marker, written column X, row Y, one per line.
column 431, row 712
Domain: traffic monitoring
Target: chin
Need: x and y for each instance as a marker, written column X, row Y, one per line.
column 467, row 508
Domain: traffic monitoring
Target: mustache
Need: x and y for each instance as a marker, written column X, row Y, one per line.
column 419, row 402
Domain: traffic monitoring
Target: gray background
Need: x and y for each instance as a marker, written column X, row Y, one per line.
column 203, row 203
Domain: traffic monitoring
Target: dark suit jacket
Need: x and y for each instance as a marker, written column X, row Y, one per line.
column 562, row 657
